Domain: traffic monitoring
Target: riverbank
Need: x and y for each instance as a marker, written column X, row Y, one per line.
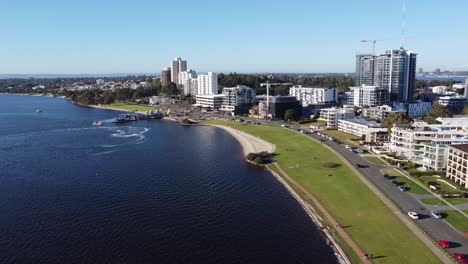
column 357, row 210
column 252, row 144
column 249, row 143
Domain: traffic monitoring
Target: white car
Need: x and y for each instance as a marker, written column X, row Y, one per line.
column 347, row 146
column 413, row 215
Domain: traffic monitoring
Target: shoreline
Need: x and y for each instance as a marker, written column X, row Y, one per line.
column 249, row 143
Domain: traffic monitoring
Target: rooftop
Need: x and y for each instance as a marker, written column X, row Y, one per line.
column 462, row 147
column 361, row 121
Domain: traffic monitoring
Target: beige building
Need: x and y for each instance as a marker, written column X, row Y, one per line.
column 457, row 164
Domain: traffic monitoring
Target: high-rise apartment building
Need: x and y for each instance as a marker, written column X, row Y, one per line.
column 178, row 66
column 185, row 81
column 207, row 84
column 165, row 76
column 365, row 69
column 395, row 71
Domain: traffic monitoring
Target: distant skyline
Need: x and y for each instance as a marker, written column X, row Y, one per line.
column 104, row 37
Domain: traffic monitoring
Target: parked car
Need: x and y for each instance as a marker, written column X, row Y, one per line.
column 413, row 215
column 443, row 243
column 394, row 182
column 347, row 146
column 386, row 176
column 436, row 214
column 461, row 258
column 402, row 188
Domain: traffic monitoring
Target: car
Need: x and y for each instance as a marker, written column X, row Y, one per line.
column 461, row 258
column 413, row 215
column 386, row 176
column 436, row 214
column 347, row 146
column 443, row 243
column 360, row 165
column 394, row 182
column 360, row 151
column 402, row 188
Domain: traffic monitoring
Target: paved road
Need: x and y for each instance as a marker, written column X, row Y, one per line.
column 438, row 229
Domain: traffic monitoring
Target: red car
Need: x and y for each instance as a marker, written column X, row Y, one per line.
column 460, row 257
column 444, row 243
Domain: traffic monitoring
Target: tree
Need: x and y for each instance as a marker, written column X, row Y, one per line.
column 437, row 110
column 397, row 119
column 290, row 114
column 465, row 110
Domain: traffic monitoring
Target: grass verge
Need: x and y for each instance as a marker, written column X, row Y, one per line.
column 366, row 219
column 411, row 186
column 375, row 160
column 435, row 201
column 456, row 219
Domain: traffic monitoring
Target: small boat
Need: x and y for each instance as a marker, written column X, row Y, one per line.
column 38, row 111
column 97, row 123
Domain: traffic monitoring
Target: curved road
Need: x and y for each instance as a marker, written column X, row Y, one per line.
column 438, row 229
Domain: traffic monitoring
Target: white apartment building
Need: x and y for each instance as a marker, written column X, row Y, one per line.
column 367, row 95
column 457, row 164
column 361, row 128
column 178, row 65
column 210, row 101
column 236, row 97
column 332, row 115
column 379, row 112
column 185, row 81
column 439, row 89
column 309, row 95
column 207, row 84
column 426, row 144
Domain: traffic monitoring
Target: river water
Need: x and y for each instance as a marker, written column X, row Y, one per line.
column 144, row 192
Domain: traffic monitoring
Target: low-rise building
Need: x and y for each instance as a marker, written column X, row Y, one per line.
column 209, row 101
column 370, row 130
column 453, row 103
column 379, row 112
column 415, row 108
column 332, row 115
column 425, row 144
column 238, row 99
column 278, row 106
column 457, row 164
column 310, row 95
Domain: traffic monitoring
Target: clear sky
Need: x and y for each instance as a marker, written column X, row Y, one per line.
column 124, row 36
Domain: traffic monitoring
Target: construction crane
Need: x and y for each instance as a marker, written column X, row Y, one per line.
column 268, row 85
column 373, row 43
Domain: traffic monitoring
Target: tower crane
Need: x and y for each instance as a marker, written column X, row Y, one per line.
column 268, row 85
column 373, row 43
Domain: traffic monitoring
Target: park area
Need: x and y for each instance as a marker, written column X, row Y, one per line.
column 363, row 216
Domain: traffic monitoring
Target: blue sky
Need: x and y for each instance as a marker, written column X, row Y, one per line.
column 101, row 36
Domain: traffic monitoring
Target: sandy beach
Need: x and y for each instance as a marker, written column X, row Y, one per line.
column 249, row 143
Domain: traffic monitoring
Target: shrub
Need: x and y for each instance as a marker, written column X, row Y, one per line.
column 330, row 165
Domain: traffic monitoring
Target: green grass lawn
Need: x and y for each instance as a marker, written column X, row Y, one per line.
column 370, row 223
column 375, row 160
column 411, row 185
column 435, row 201
column 343, row 137
column 129, row 107
column 457, row 220
column 443, row 187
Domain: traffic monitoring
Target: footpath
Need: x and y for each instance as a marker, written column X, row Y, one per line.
column 330, row 219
